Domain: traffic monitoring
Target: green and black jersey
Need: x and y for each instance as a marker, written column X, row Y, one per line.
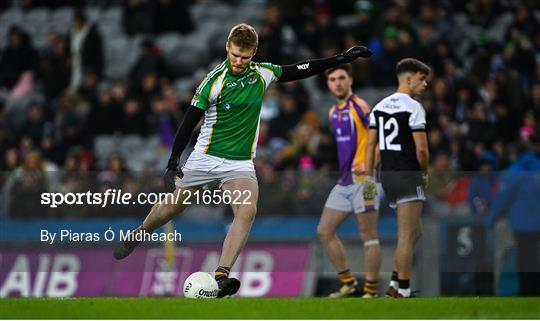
column 232, row 105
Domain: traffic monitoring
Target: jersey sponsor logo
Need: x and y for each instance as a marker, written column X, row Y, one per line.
column 342, row 139
column 391, row 106
column 303, row 66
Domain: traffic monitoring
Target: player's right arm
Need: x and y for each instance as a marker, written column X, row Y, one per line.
column 199, row 104
column 183, row 135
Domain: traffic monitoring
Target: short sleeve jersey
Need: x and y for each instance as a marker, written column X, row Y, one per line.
column 233, row 107
column 395, row 118
column 349, row 122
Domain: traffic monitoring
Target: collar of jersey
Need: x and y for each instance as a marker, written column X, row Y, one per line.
column 345, row 104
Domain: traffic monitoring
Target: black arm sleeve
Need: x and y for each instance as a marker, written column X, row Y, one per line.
column 309, row 68
column 183, row 134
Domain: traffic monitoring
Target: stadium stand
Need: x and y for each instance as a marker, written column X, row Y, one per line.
column 484, row 94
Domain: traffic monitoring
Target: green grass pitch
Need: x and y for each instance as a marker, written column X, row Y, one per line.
column 270, row 308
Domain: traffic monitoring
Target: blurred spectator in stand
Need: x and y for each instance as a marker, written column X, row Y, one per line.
column 161, row 122
column 86, row 49
column 277, row 40
column 148, row 90
column 69, row 122
column 270, row 105
column 134, row 120
column 362, row 30
column 383, row 73
column 284, row 123
column 55, row 71
column 534, row 102
column 465, row 98
column 320, row 30
column 115, row 174
column 105, row 116
column 10, row 160
column 271, row 182
column 437, row 141
column 441, row 184
column 519, row 54
column 481, row 52
column 89, row 88
column 518, row 198
column 17, row 57
column 23, row 188
column 296, row 90
column 483, row 13
column 528, row 131
column 113, row 177
column 138, row 16
column 150, row 61
column 505, row 123
column 34, row 127
column 484, row 185
column 480, row 130
column 172, row 16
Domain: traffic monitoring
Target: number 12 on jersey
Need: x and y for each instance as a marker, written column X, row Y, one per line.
column 386, row 142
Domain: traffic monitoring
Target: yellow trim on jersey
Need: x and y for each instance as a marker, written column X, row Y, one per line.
column 361, row 143
column 262, row 78
column 363, row 105
column 222, row 76
column 254, row 143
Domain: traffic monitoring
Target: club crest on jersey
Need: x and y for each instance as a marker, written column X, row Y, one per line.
column 252, row 79
column 227, row 106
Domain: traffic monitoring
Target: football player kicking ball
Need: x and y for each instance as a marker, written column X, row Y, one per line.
column 398, row 124
column 349, row 122
column 230, row 99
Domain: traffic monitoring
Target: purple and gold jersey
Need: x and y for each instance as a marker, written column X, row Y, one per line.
column 349, row 121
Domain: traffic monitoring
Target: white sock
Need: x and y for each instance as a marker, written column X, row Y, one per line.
column 405, row 292
column 394, row 284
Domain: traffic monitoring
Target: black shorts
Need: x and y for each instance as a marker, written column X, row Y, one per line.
column 402, row 186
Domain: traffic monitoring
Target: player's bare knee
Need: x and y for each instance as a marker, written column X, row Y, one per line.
column 324, row 233
column 410, row 236
column 247, row 212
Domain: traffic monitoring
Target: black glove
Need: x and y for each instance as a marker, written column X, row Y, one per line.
column 353, row 53
column 173, row 171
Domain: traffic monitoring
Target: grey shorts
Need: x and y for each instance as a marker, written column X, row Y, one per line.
column 203, row 169
column 350, row 198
